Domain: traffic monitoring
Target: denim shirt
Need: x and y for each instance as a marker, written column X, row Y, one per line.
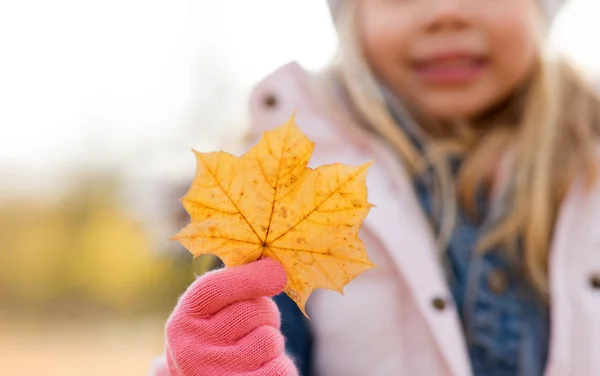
column 506, row 325
column 296, row 330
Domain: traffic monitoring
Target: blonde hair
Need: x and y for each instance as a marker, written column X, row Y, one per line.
column 551, row 127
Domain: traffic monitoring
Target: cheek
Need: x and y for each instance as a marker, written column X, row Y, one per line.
column 380, row 58
column 383, row 40
column 514, row 51
column 378, row 53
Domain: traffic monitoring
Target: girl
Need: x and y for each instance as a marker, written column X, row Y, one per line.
column 487, row 227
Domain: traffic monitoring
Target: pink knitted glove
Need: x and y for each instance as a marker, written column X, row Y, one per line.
column 227, row 324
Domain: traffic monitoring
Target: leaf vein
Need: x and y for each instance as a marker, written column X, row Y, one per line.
column 335, row 256
column 230, row 199
column 285, row 139
column 321, row 203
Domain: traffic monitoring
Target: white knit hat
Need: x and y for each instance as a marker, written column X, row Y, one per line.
column 551, row 7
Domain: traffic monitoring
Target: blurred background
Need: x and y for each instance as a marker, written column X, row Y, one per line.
column 101, row 103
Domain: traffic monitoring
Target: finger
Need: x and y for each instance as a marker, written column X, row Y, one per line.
column 279, row 366
column 252, row 351
column 239, row 319
column 216, row 290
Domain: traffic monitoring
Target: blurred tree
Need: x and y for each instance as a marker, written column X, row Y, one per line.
column 84, row 255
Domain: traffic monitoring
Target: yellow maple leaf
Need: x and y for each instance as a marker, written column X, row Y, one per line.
column 268, row 203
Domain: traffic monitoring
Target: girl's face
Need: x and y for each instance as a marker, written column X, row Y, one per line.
column 452, row 59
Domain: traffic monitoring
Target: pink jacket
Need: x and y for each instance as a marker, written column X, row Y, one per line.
column 399, row 319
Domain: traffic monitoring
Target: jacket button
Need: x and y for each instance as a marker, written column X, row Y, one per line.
column 270, row 100
column 438, row 303
column 595, row 281
column 497, row 281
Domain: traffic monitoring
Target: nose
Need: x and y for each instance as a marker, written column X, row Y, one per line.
column 444, row 15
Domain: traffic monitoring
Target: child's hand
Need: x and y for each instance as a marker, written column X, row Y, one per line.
column 227, row 324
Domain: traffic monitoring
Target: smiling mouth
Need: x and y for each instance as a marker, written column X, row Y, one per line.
column 450, row 70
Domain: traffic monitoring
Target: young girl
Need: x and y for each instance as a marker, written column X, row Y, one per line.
column 486, row 232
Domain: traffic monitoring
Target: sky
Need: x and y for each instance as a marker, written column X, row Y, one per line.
column 133, row 85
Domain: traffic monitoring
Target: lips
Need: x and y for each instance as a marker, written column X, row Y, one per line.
column 450, row 68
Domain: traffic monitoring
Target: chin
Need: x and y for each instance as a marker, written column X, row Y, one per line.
column 454, row 110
